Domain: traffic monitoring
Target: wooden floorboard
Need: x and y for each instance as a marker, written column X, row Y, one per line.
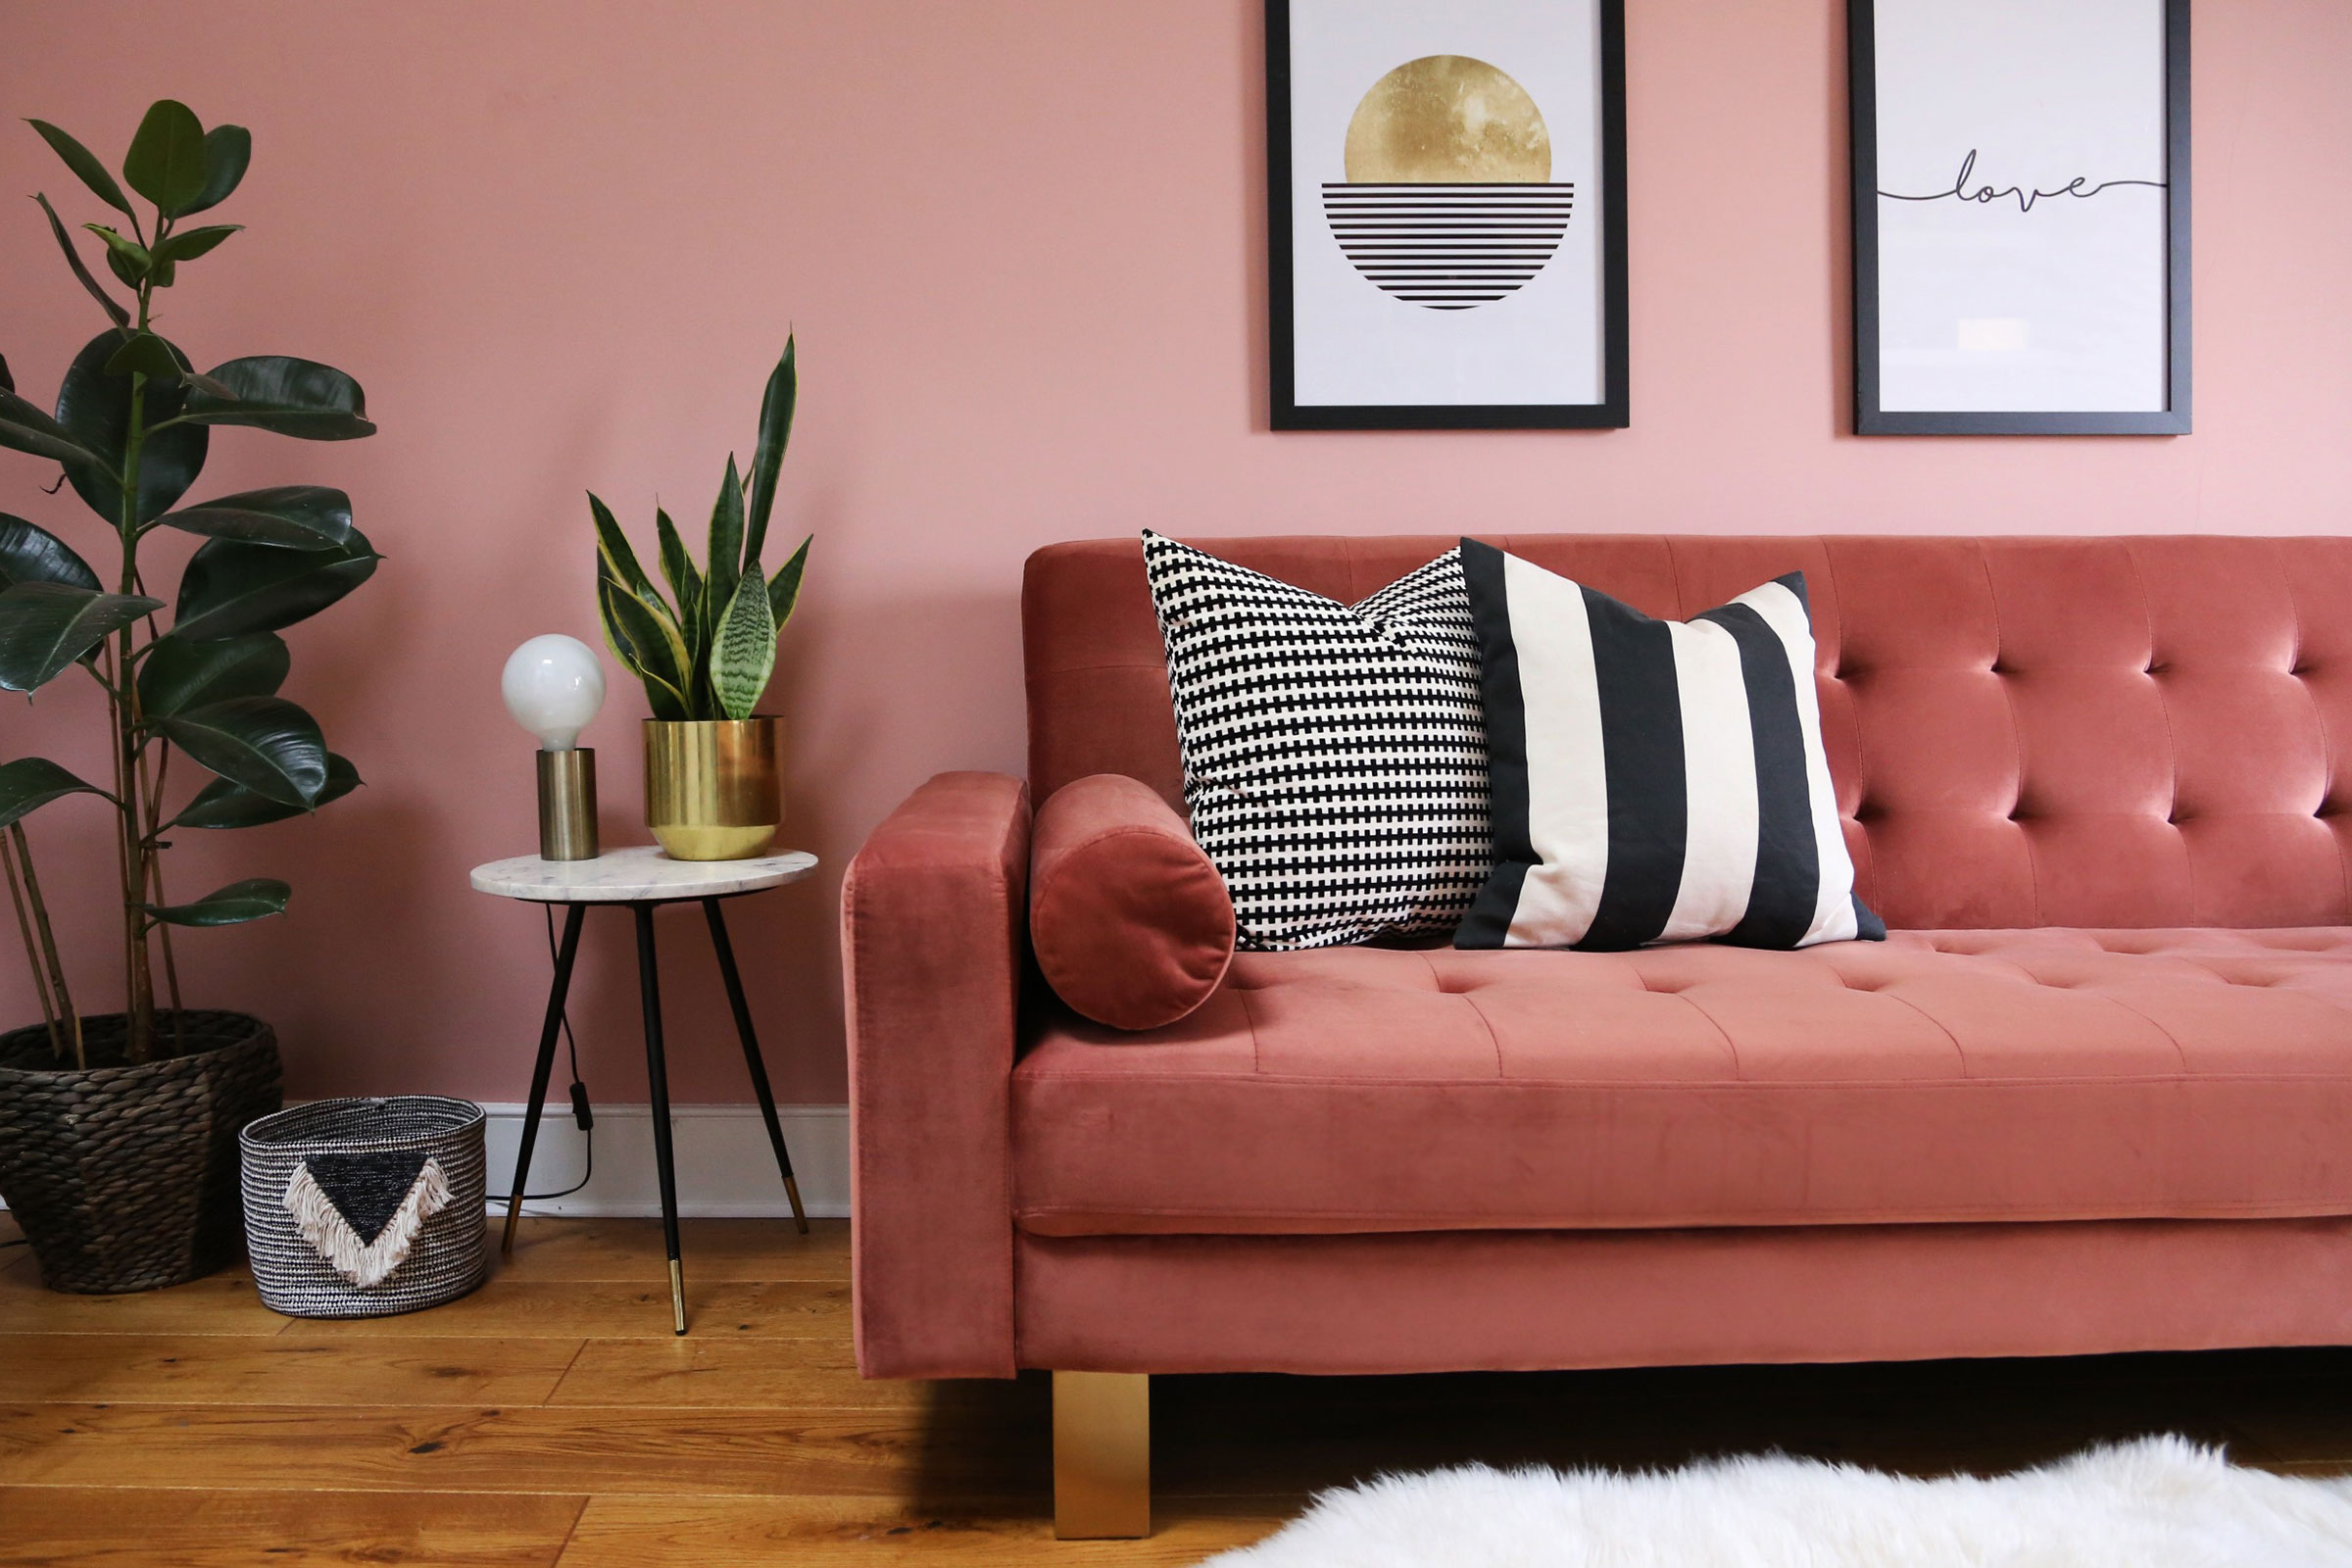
column 554, row 1418
column 73, row 1527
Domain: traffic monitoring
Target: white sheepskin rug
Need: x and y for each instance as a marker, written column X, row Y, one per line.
column 2160, row 1502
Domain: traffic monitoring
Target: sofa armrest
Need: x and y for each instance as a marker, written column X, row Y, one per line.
column 933, row 913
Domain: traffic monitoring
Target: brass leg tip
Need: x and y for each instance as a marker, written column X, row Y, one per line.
column 677, row 1296
column 800, row 1216
column 505, row 1246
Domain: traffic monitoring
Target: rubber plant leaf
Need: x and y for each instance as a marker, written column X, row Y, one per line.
column 144, row 353
column 228, row 149
column 231, row 587
column 44, row 626
column 130, row 260
column 93, row 404
column 767, row 459
column 254, row 899
column 287, row 396
column 166, row 161
column 289, row 516
column 31, row 782
column 784, row 588
column 745, row 652
column 177, row 675
column 225, row 805
column 267, row 744
column 29, row 553
column 85, row 165
column 191, row 243
column 25, row 428
column 97, row 290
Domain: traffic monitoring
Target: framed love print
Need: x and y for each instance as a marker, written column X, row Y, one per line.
column 1445, row 184
column 2020, row 217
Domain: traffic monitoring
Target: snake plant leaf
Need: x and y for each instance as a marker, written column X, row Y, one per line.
column 166, row 161
column 254, row 899
column 31, row 782
column 177, row 675
column 725, row 567
column 85, row 165
column 677, row 569
column 289, row 516
column 226, row 803
column 614, row 555
column 228, row 150
column 287, row 396
column 650, row 647
column 44, row 626
column 744, row 654
column 267, row 744
column 25, row 428
column 767, row 459
column 8, row 380
column 144, row 353
column 29, row 553
column 784, row 588
column 231, row 587
column 65, row 242
column 191, row 243
column 93, row 404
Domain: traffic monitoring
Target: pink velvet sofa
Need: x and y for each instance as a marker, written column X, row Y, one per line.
column 2094, row 1093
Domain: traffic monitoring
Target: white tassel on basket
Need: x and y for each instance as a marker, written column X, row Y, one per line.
column 367, row 1264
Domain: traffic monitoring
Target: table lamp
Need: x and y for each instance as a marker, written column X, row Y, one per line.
column 553, row 686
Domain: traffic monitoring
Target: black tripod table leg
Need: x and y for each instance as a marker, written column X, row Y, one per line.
column 548, row 1031
column 751, row 1057
column 657, row 1072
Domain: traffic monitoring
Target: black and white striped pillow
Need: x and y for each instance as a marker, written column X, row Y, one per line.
column 1654, row 781
column 1333, row 758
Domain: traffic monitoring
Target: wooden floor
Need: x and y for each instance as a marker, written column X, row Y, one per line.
column 553, row 1419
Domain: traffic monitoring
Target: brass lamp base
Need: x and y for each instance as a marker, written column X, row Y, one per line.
column 567, row 804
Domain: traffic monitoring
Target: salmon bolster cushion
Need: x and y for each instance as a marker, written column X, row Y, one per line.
column 1132, row 925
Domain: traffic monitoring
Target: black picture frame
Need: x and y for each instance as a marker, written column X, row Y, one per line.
column 1870, row 418
column 1286, row 412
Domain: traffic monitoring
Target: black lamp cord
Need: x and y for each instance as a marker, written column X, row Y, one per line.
column 580, row 1111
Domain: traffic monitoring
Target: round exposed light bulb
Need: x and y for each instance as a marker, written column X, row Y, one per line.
column 554, row 686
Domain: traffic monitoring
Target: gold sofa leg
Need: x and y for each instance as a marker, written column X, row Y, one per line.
column 1102, row 1455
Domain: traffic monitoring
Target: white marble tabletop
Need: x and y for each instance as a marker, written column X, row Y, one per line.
column 641, row 873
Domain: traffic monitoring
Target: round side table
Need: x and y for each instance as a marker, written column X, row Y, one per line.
column 642, row 879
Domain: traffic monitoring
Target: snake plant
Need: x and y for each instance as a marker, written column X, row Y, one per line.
column 707, row 651
column 133, row 419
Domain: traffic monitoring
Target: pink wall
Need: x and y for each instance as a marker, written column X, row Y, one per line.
column 1022, row 244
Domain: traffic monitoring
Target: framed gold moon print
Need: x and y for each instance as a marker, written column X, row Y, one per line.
column 1446, row 221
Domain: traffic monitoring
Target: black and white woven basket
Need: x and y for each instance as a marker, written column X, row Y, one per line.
column 365, row 1207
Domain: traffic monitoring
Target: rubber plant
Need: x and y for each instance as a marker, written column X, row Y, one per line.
column 132, row 423
column 707, row 651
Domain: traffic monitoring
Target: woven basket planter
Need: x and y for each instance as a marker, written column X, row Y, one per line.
column 365, row 1207
column 125, row 1177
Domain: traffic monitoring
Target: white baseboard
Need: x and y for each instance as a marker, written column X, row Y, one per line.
column 726, row 1167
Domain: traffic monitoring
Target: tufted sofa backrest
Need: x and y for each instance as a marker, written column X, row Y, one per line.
column 2081, row 732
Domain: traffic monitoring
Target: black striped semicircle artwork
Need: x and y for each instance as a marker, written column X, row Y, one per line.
column 1448, row 247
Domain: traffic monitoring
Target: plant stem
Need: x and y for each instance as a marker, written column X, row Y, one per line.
column 136, row 855
column 41, row 919
column 32, row 954
column 155, row 873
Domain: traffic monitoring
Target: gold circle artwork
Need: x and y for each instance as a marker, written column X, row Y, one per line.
column 1449, row 203
column 1447, row 118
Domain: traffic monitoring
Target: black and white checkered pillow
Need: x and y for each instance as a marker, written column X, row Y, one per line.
column 1335, row 756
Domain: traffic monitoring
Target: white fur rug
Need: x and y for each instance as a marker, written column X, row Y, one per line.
column 2160, row 1502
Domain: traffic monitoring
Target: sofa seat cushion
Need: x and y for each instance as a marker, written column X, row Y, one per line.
column 1940, row 1076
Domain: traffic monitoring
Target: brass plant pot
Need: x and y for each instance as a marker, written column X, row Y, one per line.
column 714, row 788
